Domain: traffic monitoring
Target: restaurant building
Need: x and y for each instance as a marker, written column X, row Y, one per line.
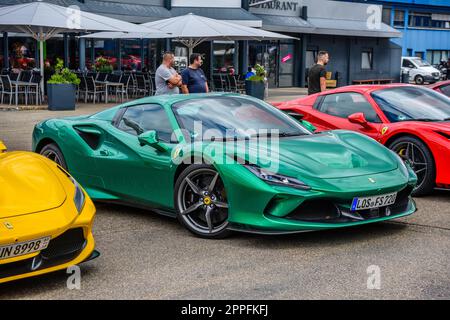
column 358, row 41
column 425, row 25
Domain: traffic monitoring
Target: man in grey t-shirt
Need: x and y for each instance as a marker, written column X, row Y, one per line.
column 167, row 80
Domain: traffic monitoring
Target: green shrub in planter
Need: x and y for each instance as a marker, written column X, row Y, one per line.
column 255, row 85
column 61, row 88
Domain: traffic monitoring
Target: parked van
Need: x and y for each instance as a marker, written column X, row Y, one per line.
column 420, row 71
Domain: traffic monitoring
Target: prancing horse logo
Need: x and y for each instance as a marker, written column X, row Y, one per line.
column 8, row 225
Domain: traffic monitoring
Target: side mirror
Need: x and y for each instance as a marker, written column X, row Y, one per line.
column 308, row 125
column 359, row 118
column 151, row 139
column 2, row 147
column 299, row 117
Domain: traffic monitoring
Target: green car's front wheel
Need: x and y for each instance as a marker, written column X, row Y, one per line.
column 52, row 152
column 201, row 202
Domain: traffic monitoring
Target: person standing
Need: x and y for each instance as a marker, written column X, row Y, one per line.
column 317, row 75
column 167, row 80
column 194, row 79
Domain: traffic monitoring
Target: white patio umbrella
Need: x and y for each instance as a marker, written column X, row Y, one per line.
column 191, row 30
column 44, row 20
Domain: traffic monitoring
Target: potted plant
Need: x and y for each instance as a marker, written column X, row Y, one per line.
column 255, row 85
column 61, row 88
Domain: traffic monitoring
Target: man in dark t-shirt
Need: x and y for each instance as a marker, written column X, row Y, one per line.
column 194, row 79
column 317, row 75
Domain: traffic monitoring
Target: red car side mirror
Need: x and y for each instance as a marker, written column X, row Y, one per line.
column 359, row 118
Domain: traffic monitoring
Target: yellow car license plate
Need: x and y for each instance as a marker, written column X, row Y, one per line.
column 23, row 248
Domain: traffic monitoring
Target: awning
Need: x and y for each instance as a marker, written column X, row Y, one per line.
column 355, row 28
column 285, row 24
column 234, row 15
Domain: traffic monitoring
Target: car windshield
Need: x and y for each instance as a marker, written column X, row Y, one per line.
column 412, row 104
column 422, row 63
column 234, row 118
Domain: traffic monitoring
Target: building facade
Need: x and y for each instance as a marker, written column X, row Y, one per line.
column 358, row 41
column 425, row 25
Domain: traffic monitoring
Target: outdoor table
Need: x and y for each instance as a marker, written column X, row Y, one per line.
column 27, row 85
column 111, row 84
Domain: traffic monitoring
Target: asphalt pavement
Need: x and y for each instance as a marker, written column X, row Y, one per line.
column 147, row 256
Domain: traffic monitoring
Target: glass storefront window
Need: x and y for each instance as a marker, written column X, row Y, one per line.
column 265, row 53
column 131, row 55
column 103, row 49
column 223, row 58
column 54, row 50
column 181, row 56
column 151, row 53
column 22, row 53
column 286, row 65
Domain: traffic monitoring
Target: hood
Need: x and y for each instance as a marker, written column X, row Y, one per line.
column 27, row 185
column 329, row 155
column 429, row 69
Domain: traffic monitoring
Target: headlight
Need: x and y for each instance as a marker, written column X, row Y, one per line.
column 79, row 197
column 277, row 179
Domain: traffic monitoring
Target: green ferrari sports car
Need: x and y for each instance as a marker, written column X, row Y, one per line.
column 226, row 162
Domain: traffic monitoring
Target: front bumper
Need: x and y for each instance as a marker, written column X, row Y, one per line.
column 70, row 244
column 295, row 222
column 257, row 207
column 432, row 79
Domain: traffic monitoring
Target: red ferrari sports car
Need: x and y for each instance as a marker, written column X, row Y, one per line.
column 412, row 121
column 442, row 87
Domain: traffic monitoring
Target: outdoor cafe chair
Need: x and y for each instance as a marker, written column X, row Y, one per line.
column 81, row 88
column 9, row 90
column 101, row 76
column 94, row 90
column 35, row 90
column 141, row 87
column 125, row 80
column 25, row 76
column 218, row 83
column 14, row 76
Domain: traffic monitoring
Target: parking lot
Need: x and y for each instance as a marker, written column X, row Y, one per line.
column 147, row 256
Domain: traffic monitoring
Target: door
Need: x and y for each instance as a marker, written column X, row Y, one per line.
column 139, row 173
column 409, row 67
column 334, row 109
column 286, row 65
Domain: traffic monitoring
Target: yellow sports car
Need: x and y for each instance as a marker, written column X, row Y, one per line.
column 45, row 217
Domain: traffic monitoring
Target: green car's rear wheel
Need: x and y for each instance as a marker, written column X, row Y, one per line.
column 201, row 202
column 52, row 152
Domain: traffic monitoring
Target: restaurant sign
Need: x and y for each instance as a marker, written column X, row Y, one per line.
column 276, row 7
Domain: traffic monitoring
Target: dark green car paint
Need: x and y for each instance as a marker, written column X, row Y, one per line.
column 336, row 165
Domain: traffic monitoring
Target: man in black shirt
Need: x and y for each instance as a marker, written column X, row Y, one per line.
column 317, row 76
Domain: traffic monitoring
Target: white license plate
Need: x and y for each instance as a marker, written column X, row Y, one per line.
column 373, row 202
column 23, row 248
